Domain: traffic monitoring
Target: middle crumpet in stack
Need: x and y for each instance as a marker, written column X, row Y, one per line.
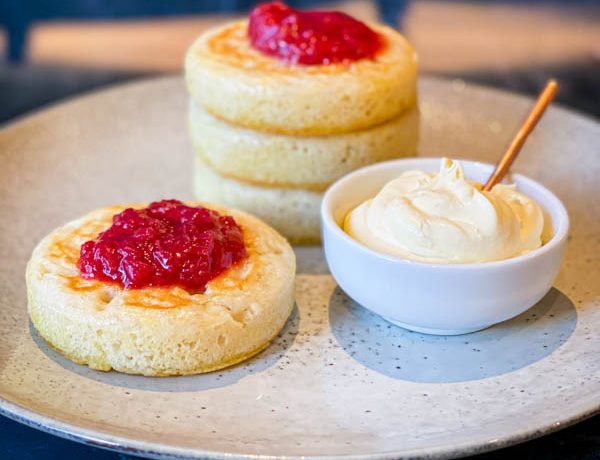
column 273, row 126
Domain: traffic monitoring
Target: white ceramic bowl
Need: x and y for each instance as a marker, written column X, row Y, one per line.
column 443, row 299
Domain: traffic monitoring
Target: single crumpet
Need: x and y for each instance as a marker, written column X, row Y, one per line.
column 292, row 212
column 165, row 289
column 304, row 73
column 308, row 162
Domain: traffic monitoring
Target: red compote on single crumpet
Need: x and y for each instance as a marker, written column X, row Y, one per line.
column 161, row 289
column 311, row 37
column 165, row 244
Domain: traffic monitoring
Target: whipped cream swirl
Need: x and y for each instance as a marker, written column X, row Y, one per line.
column 445, row 218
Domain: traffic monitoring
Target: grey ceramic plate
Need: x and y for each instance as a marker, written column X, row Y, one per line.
column 338, row 381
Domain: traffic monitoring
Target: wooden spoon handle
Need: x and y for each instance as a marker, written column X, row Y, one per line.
column 530, row 122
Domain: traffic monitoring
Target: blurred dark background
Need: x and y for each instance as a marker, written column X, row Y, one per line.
column 53, row 49
column 56, row 48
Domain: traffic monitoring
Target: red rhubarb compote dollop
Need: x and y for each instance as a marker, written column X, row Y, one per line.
column 311, row 37
column 165, row 244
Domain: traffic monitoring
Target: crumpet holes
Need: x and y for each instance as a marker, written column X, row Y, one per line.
column 238, row 316
column 107, row 295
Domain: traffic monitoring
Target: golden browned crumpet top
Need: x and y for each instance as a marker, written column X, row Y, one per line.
column 162, row 330
column 239, row 84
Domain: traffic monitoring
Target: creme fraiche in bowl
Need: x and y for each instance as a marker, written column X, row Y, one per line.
column 417, row 242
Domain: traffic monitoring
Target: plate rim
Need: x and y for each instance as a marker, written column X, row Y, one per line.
column 101, row 439
column 132, row 446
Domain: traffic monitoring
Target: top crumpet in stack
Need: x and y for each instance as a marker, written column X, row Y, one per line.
column 285, row 103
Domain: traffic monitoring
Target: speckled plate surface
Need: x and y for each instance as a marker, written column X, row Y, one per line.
column 338, row 381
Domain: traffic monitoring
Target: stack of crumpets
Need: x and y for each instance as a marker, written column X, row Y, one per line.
column 284, row 104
